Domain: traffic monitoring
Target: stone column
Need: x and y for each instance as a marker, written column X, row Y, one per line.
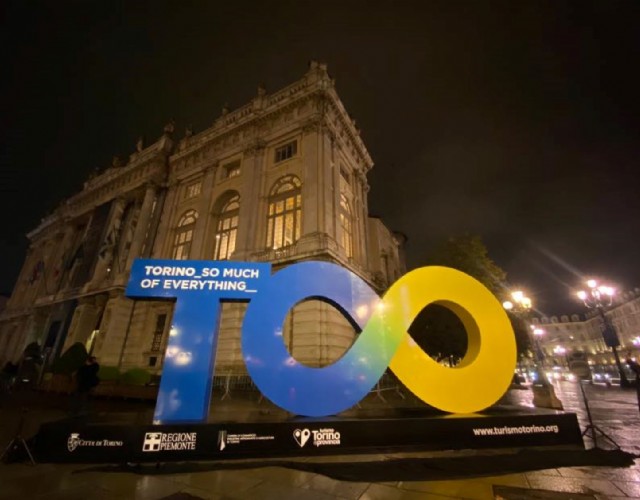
column 83, row 322
column 253, row 203
column 312, row 183
column 168, row 209
column 143, row 224
column 106, row 252
column 197, row 244
column 363, row 215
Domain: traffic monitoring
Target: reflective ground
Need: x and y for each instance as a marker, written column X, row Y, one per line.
column 614, row 410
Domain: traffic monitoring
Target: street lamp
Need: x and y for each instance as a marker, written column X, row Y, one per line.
column 544, row 393
column 598, row 297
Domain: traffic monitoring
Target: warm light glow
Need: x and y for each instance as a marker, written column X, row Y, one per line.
column 538, row 331
column 507, row 305
column 559, row 350
column 518, row 296
column 607, row 290
column 598, row 296
column 526, row 302
column 183, row 358
column 362, row 311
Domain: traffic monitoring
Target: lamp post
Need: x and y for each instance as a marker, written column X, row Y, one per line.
column 598, row 297
column 543, row 392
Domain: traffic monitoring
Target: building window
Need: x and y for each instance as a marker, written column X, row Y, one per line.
column 192, row 190
column 227, row 229
column 285, row 152
column 158, row 333
column 231, row 169
column 184, row 235
column 347, row 226
column 285, row 213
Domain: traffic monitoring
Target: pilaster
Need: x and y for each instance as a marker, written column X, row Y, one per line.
column 142, row 227
column 199, row 232
column 253, row 202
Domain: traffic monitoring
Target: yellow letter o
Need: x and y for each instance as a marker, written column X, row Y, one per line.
column 485, row 372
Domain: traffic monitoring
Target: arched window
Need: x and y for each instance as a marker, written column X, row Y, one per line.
column 184, row 235
column 227, row 229
column 285, row 213
column 347, row 226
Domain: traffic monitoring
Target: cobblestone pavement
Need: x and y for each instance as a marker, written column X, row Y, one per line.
column 614, row 410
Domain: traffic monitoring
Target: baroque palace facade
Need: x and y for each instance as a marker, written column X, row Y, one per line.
column 567, row 335
column 281, row 179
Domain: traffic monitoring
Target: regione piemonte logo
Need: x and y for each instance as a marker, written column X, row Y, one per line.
column 152, row 441
column 169, row 441
column 301, row 436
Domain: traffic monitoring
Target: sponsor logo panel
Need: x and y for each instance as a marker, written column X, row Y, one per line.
column 75, row 441
column 226, row 439
column 325, row 436
column 169, row 441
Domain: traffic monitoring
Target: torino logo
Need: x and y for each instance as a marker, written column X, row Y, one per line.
column 480, row 379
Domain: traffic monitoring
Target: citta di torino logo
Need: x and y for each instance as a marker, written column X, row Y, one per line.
column 321, row 437
column 73, row 441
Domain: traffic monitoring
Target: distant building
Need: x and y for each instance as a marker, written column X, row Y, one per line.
column 584, row 333
column 282, row 179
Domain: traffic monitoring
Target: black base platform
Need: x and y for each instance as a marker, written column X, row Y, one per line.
column 82, row 442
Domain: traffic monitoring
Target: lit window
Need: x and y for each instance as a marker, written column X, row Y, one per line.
column 287, row 151
column 184, row 235
column 158, row 332
column 192, row 190
column 231, row 169
column 285, row 213
column 346, row 224
column 227, row 229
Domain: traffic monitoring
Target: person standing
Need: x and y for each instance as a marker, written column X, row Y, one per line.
column 635, row 367
column 86, row 379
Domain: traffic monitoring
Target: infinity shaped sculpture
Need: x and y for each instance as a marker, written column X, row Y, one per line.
column 481, row 378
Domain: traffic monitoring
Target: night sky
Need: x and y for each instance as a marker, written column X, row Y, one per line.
column 518, row 121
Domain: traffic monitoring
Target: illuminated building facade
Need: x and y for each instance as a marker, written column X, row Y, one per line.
column 281, row 179
column 570, row 334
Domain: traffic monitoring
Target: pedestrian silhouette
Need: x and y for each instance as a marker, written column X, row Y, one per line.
column 86, row 379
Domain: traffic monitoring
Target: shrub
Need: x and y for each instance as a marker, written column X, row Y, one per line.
column 72, row 359
column 136, row 376
column 108, row 373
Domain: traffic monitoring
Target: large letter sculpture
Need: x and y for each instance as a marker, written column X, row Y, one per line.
column 480, row 379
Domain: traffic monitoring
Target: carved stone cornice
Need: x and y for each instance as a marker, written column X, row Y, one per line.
column 255, row 148
column 314, row 124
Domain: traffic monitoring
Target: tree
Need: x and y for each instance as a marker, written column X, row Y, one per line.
column 469, row 254
column 437, row 329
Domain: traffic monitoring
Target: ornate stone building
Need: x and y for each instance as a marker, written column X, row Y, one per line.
column 281, row 179
column 571, row 334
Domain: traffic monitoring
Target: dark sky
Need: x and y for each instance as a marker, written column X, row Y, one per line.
column 518, row 121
